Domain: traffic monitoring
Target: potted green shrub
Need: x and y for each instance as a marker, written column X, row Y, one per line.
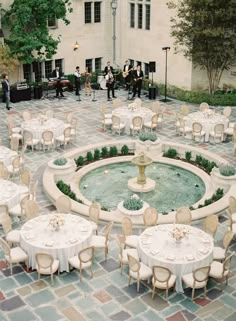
column 149, row 143
column 223, row 176
column 132, row 205
column 62, row 167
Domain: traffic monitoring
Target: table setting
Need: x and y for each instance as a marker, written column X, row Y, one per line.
column 10, row 193
column 6, row 155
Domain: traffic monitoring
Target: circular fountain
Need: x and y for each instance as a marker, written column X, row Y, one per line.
column 141, row 183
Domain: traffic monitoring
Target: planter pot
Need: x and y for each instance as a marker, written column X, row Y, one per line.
column 64, row 172
column 124, row 210
column 149, row 147
column 220, row 181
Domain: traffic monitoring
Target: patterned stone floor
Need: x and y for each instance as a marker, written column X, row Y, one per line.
column 106, row 296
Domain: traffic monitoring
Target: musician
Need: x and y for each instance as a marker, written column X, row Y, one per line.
column 6, row 90
column 87, row 84
column 77, row 78
column 127, row 74
column 57, row 73
column 137, row 81
column 107, row 68
column 110, row 85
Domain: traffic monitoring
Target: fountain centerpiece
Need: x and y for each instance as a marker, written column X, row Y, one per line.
column 141, row 183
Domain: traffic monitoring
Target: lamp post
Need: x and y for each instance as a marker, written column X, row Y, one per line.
column 166, row 50
column 114, row 7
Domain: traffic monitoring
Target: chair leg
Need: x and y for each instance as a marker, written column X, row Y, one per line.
column 137, row 285
column 153, row 292
column 193, row 290
column 129, row 280
column 80, row 274
column 52, row 283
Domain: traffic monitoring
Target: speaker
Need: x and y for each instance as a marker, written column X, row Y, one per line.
column 152, row 92
column 152, row 66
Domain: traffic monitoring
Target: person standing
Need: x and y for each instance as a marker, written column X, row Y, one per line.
column 77, row 78
column 137, row 81
column 127, row 74
column 57, row 73
column 87, row 84
column 6, row 90
column 108, row 68
column 110, row 85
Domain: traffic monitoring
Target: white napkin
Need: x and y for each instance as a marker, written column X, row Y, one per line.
column 154, row 252
column 49, row 243
column 29, row 236
column 73, row 240
column 147, row 233
column 203, row 250
column 205, row 240
column 170, row 257
column 189, row 257
column 146, row 242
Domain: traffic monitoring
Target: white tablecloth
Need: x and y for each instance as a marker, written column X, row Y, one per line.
column 6, row 155
column 38, row 237
column 208, row 121
column 9, row 193
column 157, row 247
column 127, row 115
column 37, row 128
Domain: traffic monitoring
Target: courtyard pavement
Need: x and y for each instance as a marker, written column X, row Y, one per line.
column 106, row 296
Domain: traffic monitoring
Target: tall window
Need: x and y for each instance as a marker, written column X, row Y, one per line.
column 52, row 22
column 48, row 68
column 132, row 15
column 146, row 70
column 97, row 12
column 131, row 62
column 148, row 16
column 88, row 12
column 27, row 71
column 92, row 11
column 98, row 64
column 59, row 63
column 140, row 16
column 89, row 64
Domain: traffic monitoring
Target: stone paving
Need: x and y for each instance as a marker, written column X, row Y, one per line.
column 106, row 296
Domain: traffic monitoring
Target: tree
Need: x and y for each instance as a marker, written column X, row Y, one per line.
column 29, row 36
column 204, row 31
column 7, row 61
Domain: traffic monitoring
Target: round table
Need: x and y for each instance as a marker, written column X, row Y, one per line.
column 37, row 127
column 126, row 115
column 156, row 246
column 10, row 193
column 6, row 155
column 37, row 236
column 208, row 120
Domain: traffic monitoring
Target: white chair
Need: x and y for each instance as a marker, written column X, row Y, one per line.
column 13, row 255
column 31, row 209
column 33, row 190
column 94, row 213
column 219, row 253
column 183, row 215
column 4, row 212
column 106, row 121
column 11, row 122
column 49, row 113
column 227, row 111
column 46, row 264
column 184, row 111
column 102, row 241
column 19, row 209
column 12, row 236
column 138, row 271
column 153, row 123
column 183, row 128
column 26, row 115
column 138, row 102
column 69, row 118
column 217, row 134
column 83, row 260
column 137, row 124
column 29, row 140
column 231, row 210
column 198, row 132
column 73, row 131
column 220, row 271
column 117, row 125
column 116, row 103
column 150, row 216
column 63, row 204
column 156, row 107
column 123, row 253
column 230, row 131
column 11, row 133
column 210, row 224
column 162, row 279
column 197, row 279
column 25, row 177
column 15, row 167
column 65, row 138
column 47, row 139
column 14, row 143
column 203, row 107
column 131, row 240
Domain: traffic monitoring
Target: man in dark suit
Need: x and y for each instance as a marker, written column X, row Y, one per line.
column 127, row 74
column 108, row 68
column 138, row 80
column 6, row 90
column 57, row 73
column 77, row 78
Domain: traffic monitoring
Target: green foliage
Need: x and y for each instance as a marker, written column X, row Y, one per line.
column 205, row 163
column 104, row 152
column 65, row 189
column 60, row 161
column 113, row 151
column 133, row 203
column 227, row 169
column 89, row 157
column 124, row 150
column 79, row 161
column 188, row 156
column 143, row 136
column 198, row 159
column 171, row 153
column 96, row 154
column 30, row 38
column 204, row 33
column 219, row 193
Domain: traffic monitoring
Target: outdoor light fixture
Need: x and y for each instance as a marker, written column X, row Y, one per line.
column 114, row 8
column 76, row 46
column 166, row 50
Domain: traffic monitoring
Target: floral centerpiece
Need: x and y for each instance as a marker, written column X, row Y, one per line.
column 56, row 222
column 178, row 232
column 42, row 119
column 133, row 107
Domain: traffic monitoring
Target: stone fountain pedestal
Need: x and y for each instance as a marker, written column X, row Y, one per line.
column 141, row 183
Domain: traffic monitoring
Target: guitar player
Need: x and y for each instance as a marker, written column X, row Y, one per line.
column 137, row 81
column 127, row 70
